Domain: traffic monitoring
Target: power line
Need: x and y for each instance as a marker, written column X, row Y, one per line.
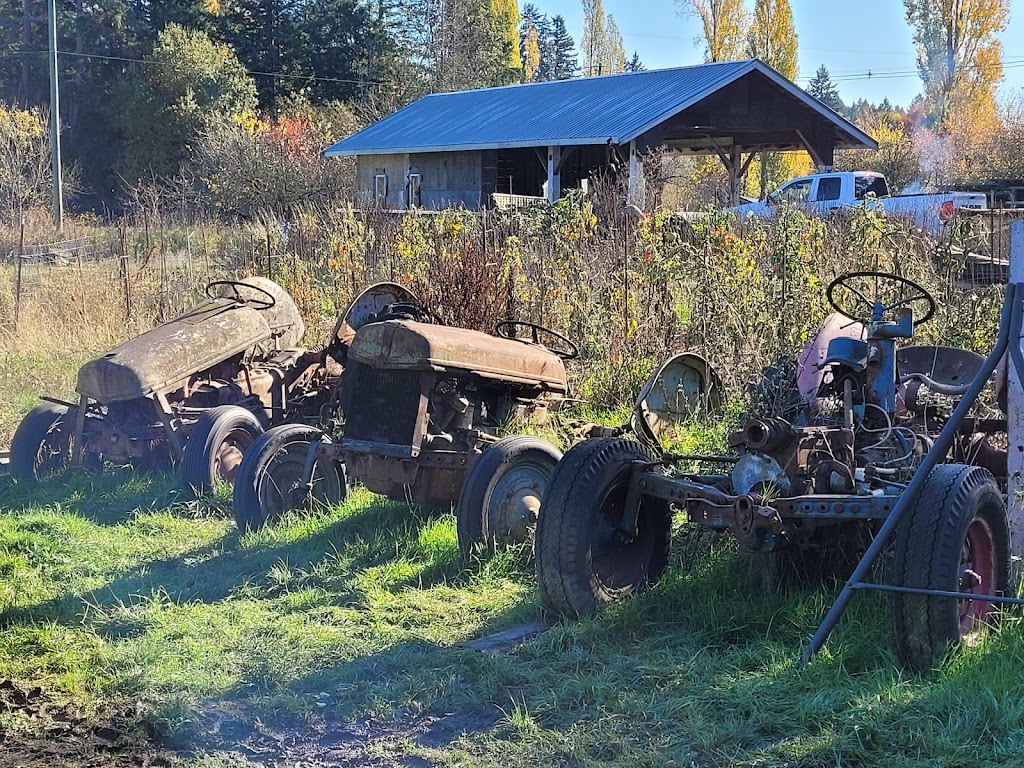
column 256, row 73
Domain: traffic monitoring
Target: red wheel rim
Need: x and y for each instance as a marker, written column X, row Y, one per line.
column 977, row 574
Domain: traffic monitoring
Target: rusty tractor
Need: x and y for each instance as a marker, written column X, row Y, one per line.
column 195, row 391
column 423, row 406
column 812, row 487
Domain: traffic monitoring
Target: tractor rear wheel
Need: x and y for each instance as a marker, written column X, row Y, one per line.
column 41, row 446
column 500, row 498
column 955, row 537
column 216, row 445
column 584, row 559
column 270, row 478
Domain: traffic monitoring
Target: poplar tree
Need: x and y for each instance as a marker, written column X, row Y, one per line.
column 959, row 55
column 724, row 24
column 772, row 39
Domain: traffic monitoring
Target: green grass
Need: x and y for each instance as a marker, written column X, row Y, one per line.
column 116, row 587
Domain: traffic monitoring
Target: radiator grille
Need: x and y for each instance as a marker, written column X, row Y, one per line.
column 382, row 406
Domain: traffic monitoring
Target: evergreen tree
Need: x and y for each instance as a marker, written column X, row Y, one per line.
column 634, row 64
column 548, row 51
column 530, row 43
column 824, row 90
column 266, row 36
column 564, row 59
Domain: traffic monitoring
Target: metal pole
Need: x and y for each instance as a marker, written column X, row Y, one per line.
column 58, row 192
column 1009, row 321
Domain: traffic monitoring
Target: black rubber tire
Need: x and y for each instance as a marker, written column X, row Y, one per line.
column 930, row 542
column 229, row 425
column 477, row 512
column 575, row 538
column 37, row 449
column 280, row 453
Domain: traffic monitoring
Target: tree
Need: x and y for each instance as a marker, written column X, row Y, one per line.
column 896, row 156
column 824, row 90
column 772, row 38
column 563, row 51
column 266, row 37
column 190, row 81
column 530, row 52
column 959, row 55
column 724, row 24
column 634, row 64
column 24, row 161
column 455, row 45
column 603, row 51
column 345, row 41
column 506, row 16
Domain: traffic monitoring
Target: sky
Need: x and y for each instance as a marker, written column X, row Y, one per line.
column 850, row 37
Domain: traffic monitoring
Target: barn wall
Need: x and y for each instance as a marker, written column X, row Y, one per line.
column 393, row 166
column 447, row 179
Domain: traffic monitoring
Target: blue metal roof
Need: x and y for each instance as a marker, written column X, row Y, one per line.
column 592, row 110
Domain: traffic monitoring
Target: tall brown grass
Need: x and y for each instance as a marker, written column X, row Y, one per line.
column 627, row 287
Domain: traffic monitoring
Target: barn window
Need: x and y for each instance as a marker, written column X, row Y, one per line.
column 380, row 188
column 414, row 190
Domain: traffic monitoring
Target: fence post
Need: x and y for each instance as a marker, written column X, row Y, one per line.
column 21, row 260
column 125, row 276
column 1015, row 420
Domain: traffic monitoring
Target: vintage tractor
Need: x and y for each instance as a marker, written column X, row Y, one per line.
column 421, row 408
column 196, row 390
column 810, row 487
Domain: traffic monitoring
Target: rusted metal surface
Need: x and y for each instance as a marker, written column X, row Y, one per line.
column 368, row 306
column 163, row 358
column 401, row 344
column 423, row 401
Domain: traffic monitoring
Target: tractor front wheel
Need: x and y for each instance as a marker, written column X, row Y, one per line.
column 270, row 478
column 585, row 559
column 956, row 538
column 500, row 498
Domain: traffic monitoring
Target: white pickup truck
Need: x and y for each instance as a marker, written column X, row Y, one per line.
column 826, row 192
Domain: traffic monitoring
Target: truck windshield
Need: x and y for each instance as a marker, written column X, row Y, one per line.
column 870, row 185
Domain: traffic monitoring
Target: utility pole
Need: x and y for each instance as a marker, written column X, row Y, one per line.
column 58, row 192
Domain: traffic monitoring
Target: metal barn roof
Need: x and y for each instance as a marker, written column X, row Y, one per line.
column 593, row 110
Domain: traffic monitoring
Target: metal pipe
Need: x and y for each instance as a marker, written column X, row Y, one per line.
column 939, row 593
column 1010, row 316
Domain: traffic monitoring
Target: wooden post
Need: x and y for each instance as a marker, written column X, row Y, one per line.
column 554, row 174
column 1015, row 420
column 636, row 177
column 17, row 281
column 270, row 264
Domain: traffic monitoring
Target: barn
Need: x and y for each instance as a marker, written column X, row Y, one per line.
column 473, row 148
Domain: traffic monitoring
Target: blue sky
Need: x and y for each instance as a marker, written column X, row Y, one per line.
column 850, row 37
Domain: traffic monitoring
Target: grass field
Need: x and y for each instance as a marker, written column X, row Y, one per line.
column 346, row 625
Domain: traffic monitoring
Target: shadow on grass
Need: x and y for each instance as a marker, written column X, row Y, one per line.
column 107, row 498
column 300, row 551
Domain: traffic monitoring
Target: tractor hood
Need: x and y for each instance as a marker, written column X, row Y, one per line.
column 407, row 345
column 166, row 356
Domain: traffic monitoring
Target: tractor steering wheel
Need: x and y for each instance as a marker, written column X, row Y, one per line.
column 258, row 301
column 506, row 329
column 848, row 295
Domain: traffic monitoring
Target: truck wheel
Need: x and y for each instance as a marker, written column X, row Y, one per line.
column 583, row 561
column 956, row 537
column 500, row 497
column 269, row 480
column 41, row 446
column 216, row 445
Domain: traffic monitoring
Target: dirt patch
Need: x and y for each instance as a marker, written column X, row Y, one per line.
column 238, row 735
column 36, row 731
